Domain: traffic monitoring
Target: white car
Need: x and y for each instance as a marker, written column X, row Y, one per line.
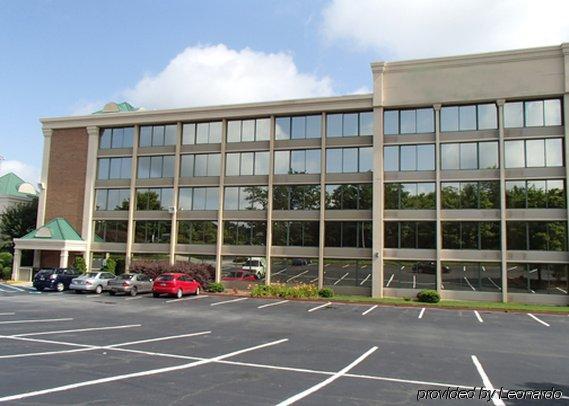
column 91, row 282
column 256, row 265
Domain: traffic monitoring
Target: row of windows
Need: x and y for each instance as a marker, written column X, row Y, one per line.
column 245, row 233
column 114, row 168
column 296, row 197
column 532, row 194
column 153, row 167
column 246, row 198
column 410, row 234
column 409, row 157
column 120, row 137
column 409, row 196
column 471, row 235
column 157, row 135
column 534, row 153
column 349, row 160
column 154, row 198
column 298, row 127
column 536, row 235
column 469, row 155
column 349, row 196
column 247, row 163
column 200, row 165
column 248, row 130
column 470, row 195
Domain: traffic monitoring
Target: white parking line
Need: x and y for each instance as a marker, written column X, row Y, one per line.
column 478, row 316
column 469, row 284
column 135, row 297
column 341, row 279
column 494, row 283
column 365, row 279
column 136, row 374
column 153, row 340
column 34, row 321
column 319, row 307
column 422, row 312
column 187, row 298
column 328, row 381
column 345, row 266
column 561, row 290
column 229, row 301
column 414, row 281
column 538, row 320
column 7, row 314
column 279, row 272
column 2, row 290
column 487, row 384
column 272, row 304
column 369, row 310
column 296, row 276
column 389, row 281
column 12, row 287
column 79, row 330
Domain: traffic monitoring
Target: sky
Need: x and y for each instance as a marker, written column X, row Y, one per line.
column 60, row 57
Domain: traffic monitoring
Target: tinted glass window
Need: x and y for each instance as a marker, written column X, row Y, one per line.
column 515, row 154
column 514, row 115
column 391, row 158
column 425, row 121
column 488, row 155
column 391, row 122
column 450, row 157
column 449, row 119
column 487, row 116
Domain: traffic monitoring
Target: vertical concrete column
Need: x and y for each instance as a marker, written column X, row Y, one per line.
column 16, row 264
column 503, row 237
column 174, row 203
column 63, row 258
column 565, row 122
column 269, row 243
column 89, row 196
column 37, row 259
column 322, row 224
column 132, row 204
column 438, row 226
column 377, row 209
column 47, row 133
column 219, row 245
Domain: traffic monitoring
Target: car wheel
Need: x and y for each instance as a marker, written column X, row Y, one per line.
column 197, row 290
column 179, row 293
column 133, row 291
column 155, row 294
column 40, row 289
column 112, row 293
column 59, row 287
column 99, row 289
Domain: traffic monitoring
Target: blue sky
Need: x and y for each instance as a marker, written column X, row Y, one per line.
column 69, row 57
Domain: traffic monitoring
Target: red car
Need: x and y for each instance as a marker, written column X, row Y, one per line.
column 177, row 284
column 240, row 276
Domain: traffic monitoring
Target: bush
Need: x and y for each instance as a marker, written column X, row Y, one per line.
column 110, row 265
column 428, row 296
column 215, row 287
column 326, row 292
column 80, row 264
column 5, row 265
column 285, row 291
column 203, row 273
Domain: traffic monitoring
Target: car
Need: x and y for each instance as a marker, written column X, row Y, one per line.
column 428, row 268
column 130, row 283
column 176, row 284
column 256, row 265
column 57, row 279
column 91, row 282
column 299, row 262
column 240, row 275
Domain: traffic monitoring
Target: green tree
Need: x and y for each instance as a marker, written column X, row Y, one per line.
column 80, row 264
column 109, row 266
column 17, row 221
column 5, row 265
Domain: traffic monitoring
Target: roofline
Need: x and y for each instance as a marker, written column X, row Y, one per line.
column 359, row 101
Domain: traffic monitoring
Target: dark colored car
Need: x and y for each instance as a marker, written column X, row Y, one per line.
column 429, row 268
column 55, row 278
column 177, row 284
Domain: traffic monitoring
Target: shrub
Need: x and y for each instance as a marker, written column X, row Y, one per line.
column 203, row 273
column 110, row 265
column 326, row 292
column 80, row 264
column 428, row 296
column 5, row 265
column 285, row 291
column 215, row 287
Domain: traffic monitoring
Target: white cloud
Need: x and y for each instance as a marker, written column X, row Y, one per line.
column 207, row 75
column 25, row 171
column 425, row 28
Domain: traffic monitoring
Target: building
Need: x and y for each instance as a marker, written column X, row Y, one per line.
column 14, row 190
column 450, row 175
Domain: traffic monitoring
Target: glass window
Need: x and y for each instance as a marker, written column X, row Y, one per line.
column 407, row 118
column 103, row 170
column 115, row 168
column 188, row 134
column 248, row 130
column 366, row 123
column 487, row 116
column 449, row 118
column 200, row 165
column 232, row 164
column 449, row 156
column 105, row 140
column 247, row 163
column 489, row 195
column 425, row 120
column 145, row 136
column 391, row 122
column 467, row 117
column 312, row 161
column 157, row 135
column 534, row 113
column 202, row 134
column 231, row 197
column 554, row 152
column 262, row 129
column 334, row 125
column 186, row 166
column 516, row 194
column 282, row 163
column 298, row 127
column 298, row 161
column 513, row 115
column 536, row 194
column 450, row 195
column 408, row 158
column 261, row 163
column 390, row 158
column 426, row 157
column 555, row 194
column 170, row 134
column 552, row 112
column 468, row 156
column 185, row 199
column 349, row 160
column 234, row 131
column 334, row 160
column 488, row 155
column 366, row 159
column 535, row 153
column 515, row 154
column 350, row 125
column 282, row 128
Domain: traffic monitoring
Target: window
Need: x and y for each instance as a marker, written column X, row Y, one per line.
column 537, row 235
column 409, row 196
column 469, row 155
column 157, row 135
column 538, row 278
column 409, row 121
column 201, row 133
column 410, row 234
column 356, row 234
column 349, row 196
column 152, row 232
column 470, row 195
column 246, row 198
column 540, row 194
column 159, row 166
column 248, row 130
column 245, row 233
column 471, row 235
column 483, row 277
column 409, row 158
column 534, row 113
column 112, row 199
column 347, row 272
column 349, row 160
column 410, row 275
column 113, row 168
column 247, row 163
column 154, row 199
column 198, row 198
column 534, row 153
column 116, row 137
column 200, row 165
column 349, row 124
column 298, row 127
column 297, row 161
column 468, row 118
column 296, row 233
column 294, row 270
column 111, row 231
column 297, row 197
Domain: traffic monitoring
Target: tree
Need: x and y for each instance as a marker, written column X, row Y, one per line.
column 80, row 264
column 5, row 265
column 17, row 221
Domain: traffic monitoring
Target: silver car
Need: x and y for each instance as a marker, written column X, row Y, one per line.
column 91, row 282
column 130, row 283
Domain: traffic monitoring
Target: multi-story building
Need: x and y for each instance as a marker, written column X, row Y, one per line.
column 451, row 175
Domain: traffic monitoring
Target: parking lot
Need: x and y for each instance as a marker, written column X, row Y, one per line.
column 64, row 348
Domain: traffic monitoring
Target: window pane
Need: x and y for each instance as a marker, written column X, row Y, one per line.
column 215, row 132
column 391, row 122
column 469, row 235
column 554, row 152
column 487, row 116
column 468, row 156
column 168, row 167
column 298, row 161
column 536, row 194
column 261, row 163
column 426, row 157
column 407, row 122
column 426, row 196
column 298, row 127
column 103, row 172
column 115, row 170
column 366, row 159
column 199, row 198
column 408, row 157
column 234, row 131
column 425, row 121
column 515, row 156
column 313, row 129
column 312, row 161
column 534, row 113
column 170, row 134
column 243, row 203
column 212, row 202
column 145, row 136
column 537, row 232
column 366, row 123
column 489, row 195
column 350, row 160
column 185, row 199
column 516, row 194
column 535, row 153
column 247, row 162
column 516, row 235
column 232, row 164
column 426, row 236
column 128, row 135
column 350, row 125
column 144, row 167
column 489, row 235
column 281, row 164
column 555, row 194
column 407, row 238
column 488, row 155
column 155, row 166
column 552, row 112
column 282, row 128
column 213, row 164
column 469, row 195
column 391, row 195
column 200, row 165
column 262, row 131
column 390, row 234
column 451, row 235
column 449, row 119
column 105, row 141
column 188, row 134
column 334, row 160
column 334, row 125
column 158, row 135
column 390, row 159
column 202, row 135
column 101, row 199
column 247, row 130
column 126, row 168
column 408, row 194
column 467, row 117
column 513, row 115
column 449, row 156
column 450, row 195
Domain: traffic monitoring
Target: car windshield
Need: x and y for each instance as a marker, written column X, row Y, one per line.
column 125, row 277
column 165, row 278
column 45, row 272
column 91, row 274
column 251, row 263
